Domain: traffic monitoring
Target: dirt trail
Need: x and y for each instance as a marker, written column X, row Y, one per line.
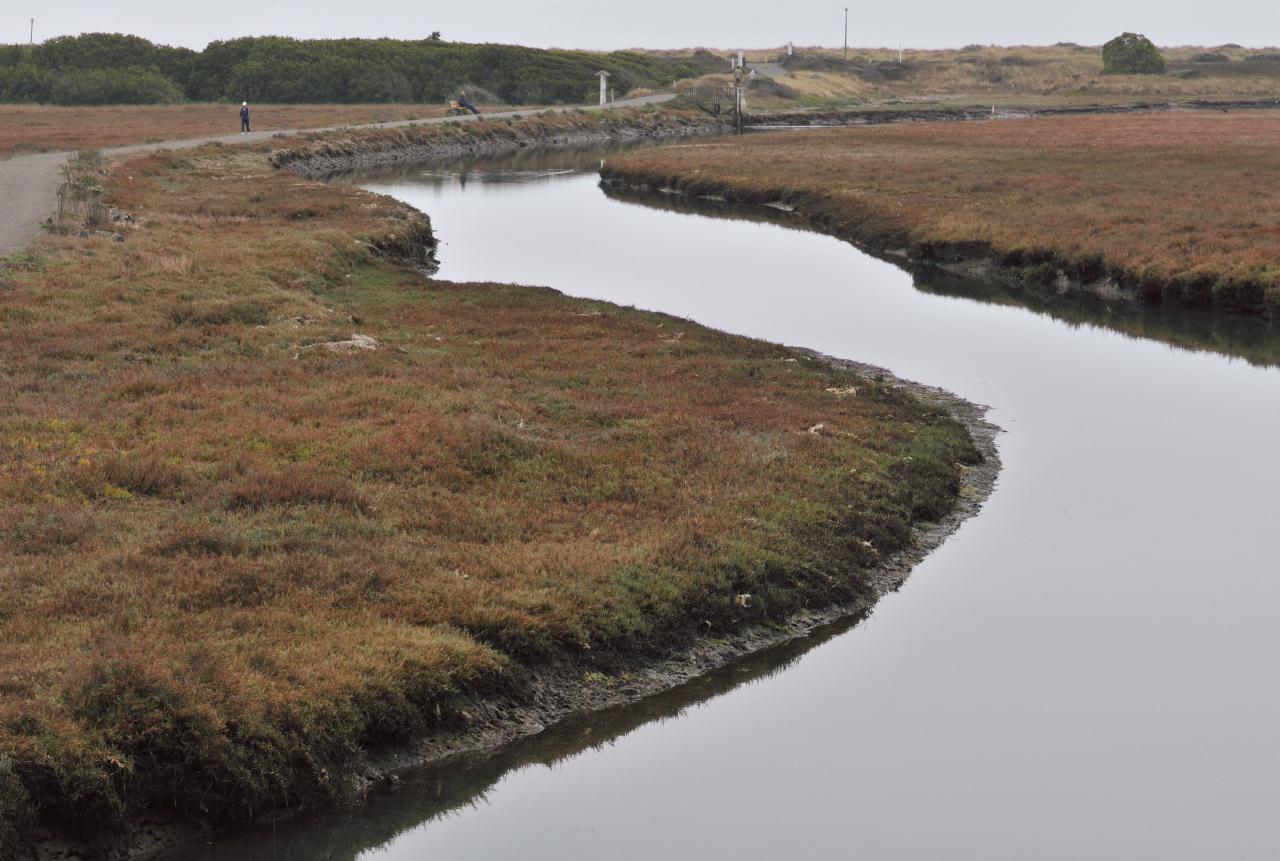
column 28, row 183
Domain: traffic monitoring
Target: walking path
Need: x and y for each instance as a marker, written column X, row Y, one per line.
column 28, row 183
column 768, row 70
column 27, row 187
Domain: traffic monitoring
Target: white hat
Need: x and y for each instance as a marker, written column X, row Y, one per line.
column 246, row 104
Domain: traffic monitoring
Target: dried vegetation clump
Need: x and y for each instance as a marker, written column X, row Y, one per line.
column 231, row 563
column 1173, row 207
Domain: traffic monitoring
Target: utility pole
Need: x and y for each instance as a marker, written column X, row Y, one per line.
column 846, row 34
column 31, row 37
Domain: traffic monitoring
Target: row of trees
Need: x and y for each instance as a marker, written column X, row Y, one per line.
column 108, row 68
column 129, row 86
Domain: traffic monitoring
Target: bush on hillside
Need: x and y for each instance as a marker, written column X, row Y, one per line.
column 1132, row 54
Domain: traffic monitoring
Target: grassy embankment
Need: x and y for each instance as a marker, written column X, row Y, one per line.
column 1018, row 76
column 323, row 152
column 238, row 547
column 42, row 128
column 1171, row 208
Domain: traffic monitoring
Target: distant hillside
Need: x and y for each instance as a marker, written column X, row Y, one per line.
column 105, row 68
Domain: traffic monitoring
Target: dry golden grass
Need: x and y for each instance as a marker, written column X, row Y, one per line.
column 1022, row 75
column 233, row 557
column 1174, row 205
column 39, row 128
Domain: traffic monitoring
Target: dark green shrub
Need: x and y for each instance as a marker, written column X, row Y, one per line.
column 1131, row 54
column 113, row 87
column 25, row 83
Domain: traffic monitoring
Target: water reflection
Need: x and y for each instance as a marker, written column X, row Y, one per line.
column 432, row 792
column 523, row 166
column 1253, row 338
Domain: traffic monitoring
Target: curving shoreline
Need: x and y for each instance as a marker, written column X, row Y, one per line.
column 548, row 696
column 558, row 693
column 1082, row 204
column 538, row 698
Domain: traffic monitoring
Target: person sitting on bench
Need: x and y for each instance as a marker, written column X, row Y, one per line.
column 464, row 102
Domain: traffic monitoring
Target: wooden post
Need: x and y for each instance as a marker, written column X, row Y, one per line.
column 604, row 86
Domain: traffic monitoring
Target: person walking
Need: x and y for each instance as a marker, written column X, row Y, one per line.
column 244, row 118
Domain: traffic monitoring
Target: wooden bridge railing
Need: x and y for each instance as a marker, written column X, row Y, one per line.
column 714, row 100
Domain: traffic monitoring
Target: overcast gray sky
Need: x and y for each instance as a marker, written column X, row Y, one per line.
column 660, row 23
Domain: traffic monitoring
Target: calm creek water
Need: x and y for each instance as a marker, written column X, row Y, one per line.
column 1086, row 670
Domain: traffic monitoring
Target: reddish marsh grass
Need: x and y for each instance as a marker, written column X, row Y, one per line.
column 1172, row 205
column 233, row 558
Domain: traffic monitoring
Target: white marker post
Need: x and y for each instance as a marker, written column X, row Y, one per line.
column 604, row 86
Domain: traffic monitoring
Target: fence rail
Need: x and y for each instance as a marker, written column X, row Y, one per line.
column 713, row 100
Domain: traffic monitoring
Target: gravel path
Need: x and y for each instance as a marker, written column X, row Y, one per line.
column 768, row 70
column 28, row 183
column 27, row 187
